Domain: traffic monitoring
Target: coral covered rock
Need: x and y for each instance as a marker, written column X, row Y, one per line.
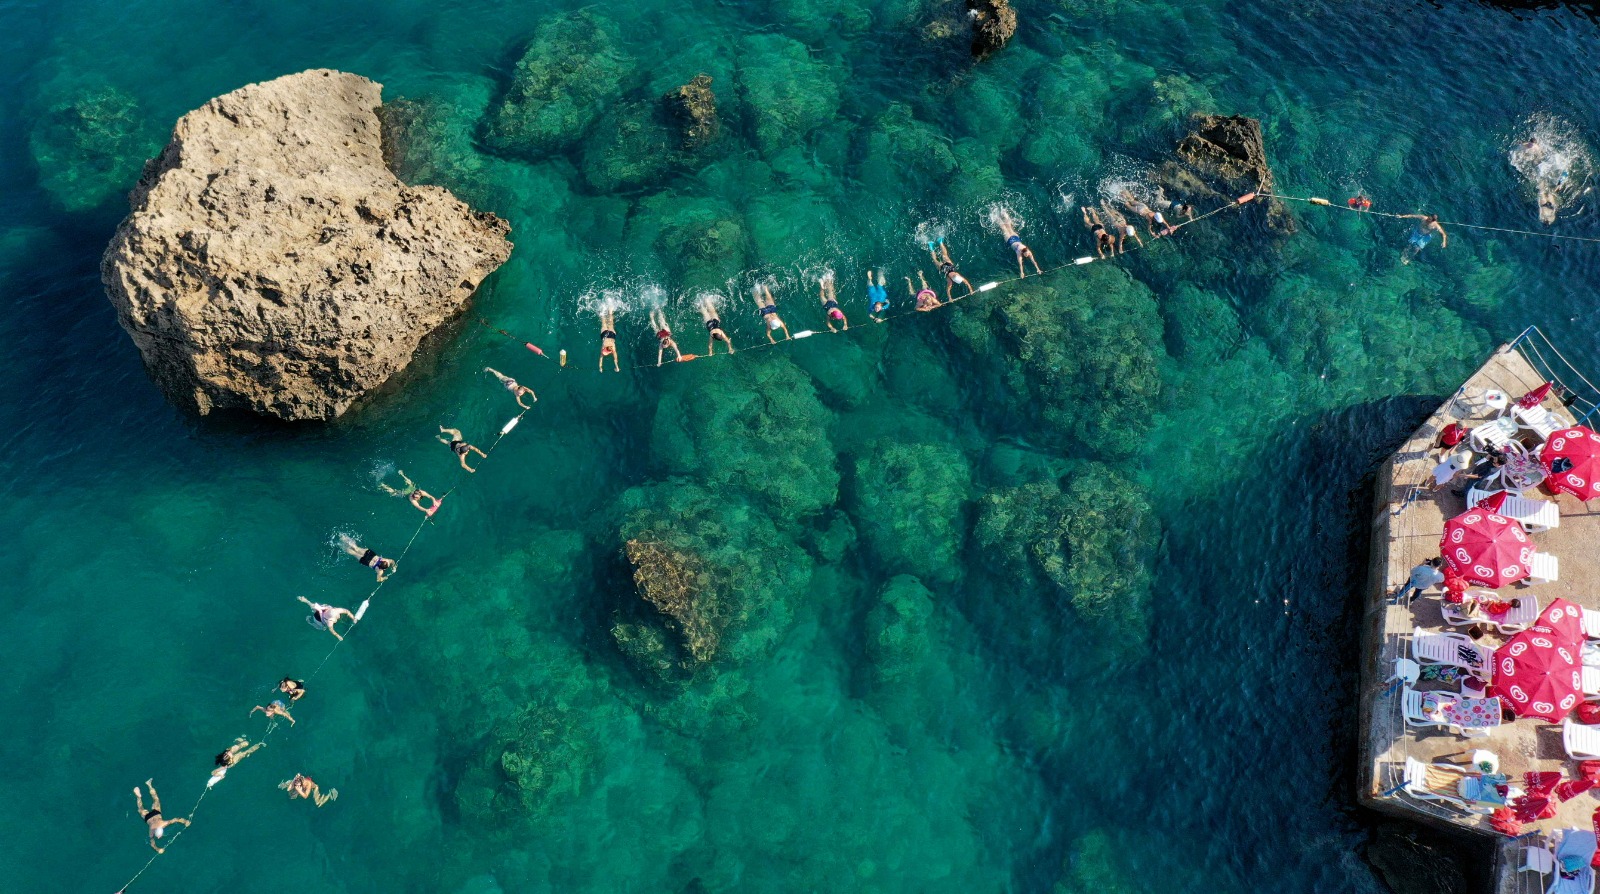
column 897, row 628
column 674, row 581
column 1221, row 159
column 910, row 502
column 790, row 93
column 1090, row 540
column 89, row 147
column 536, row 758
column 631, row 146
column 993, row 23
column 273, row 263
column 566, row 77
column 693, row 108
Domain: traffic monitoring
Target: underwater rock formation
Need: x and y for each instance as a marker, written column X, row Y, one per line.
column 910, row 500
column 1221, row 159
column 898, row 636
column 694, row 108
column 89, row 147
column 630, row 147
column 1090, row 540
column 673, row 581
column 993, row 23
column 273, row 263
column 790, row 93
column 566, row 78
column 537, row 757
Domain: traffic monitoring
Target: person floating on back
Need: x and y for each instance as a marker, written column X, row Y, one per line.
column 925, row 299
column 830, row 302
column 1422, row 234
column 153, row 820
column 238, row 751
column 303, row 786
column 708, row 313
column 451, row 437
column 517, row 391
column 1103, row 240
column 608, row 341
column 366, row 556
column 324, row 617
column 1008, row 229
column 768, row 308
column 947, row 267
column 664, row 340
column 877, row 295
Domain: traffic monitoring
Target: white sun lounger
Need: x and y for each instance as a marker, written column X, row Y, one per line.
column 1449, row 648
column 1591, row 623
column 1411, row 710
column 1582, row 742
column 1513, row 621
column 1535, row 515
column 1538, row 420
column 1443, row 783
column 1591, row 682
column 1544, row 569
column 1496, row 433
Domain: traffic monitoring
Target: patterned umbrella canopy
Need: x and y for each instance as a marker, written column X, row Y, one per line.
column 1487, row 549
column 1538, row 672
column 1572, row 457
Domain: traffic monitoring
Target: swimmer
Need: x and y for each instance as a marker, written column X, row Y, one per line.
column 404, row 490
column 1360, row 203
column 451, row 437
column 152, row 817
column 769, row 311
column 1422, row 234
column 1157, row 223
column 877, row 296
column 952, row 276
column 1120, row 228
column 323, row 617
column 294, row 689
column 830, row 302
column 433, row 502
column 1102, row 239
column 274, row 708
column 366, row 556
column 708, row 314
column 925, row 300
column 1183, row 208
column 664, row 341
column 1014, row 242
column 238, row 751
column 517, row 391
column 608, row 342
column 303, row 786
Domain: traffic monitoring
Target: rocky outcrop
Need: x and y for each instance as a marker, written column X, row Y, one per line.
column 273, row 263
column 694, row 108
column 993, row 23
column 1222, row 158
column 567, row 76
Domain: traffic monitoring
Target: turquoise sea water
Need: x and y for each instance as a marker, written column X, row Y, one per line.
column 1130, row 497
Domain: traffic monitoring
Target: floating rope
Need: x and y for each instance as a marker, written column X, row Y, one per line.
column 505, row 430
column 1324, row 203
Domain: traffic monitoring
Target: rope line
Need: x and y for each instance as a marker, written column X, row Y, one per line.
column 273, row 725
column 1314, row 200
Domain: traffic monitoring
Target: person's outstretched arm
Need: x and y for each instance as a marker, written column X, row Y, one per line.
column 661, row 351
column 1022, row 272
column 1444, row 238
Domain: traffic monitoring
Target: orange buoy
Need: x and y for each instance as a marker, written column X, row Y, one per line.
column 1247, row 198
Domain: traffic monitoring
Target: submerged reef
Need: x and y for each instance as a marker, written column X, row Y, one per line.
column 1086, row 353
column 993, row 23
column 567, row 76
column 693, row 109
column 631, row 145
column 1090, row 542
column 789, row 93
column 910, row 499
column 90, row 146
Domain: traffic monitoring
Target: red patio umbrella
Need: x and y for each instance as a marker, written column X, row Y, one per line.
column 1487, row 549
column 1538, row 672
column 1535, row 397
column 1492, row 502
column 1572, row 457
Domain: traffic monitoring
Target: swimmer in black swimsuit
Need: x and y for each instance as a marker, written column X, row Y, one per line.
column 768, row 306
column 238, row 751
column 708, row 313
column 1102, row 239
column 366, row 556
column 947, row 268
column 294, row 689
column 153, row 821
column 608, row 340
column 830, row 302
column 664, row 341
column 1008, row 229
column 517, row 391
column 451, row 437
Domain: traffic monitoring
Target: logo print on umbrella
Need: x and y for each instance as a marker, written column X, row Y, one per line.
column 1517, row 648
column 1541, row 642
column 1518, row 693
column 1543, row 707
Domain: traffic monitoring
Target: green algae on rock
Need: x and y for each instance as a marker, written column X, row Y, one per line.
column 911, row 499
column 790, row 94
column 630, row 146
column 90, row 147
column 567, row 75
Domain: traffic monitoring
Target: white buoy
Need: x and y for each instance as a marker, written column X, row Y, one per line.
column 987, row 286
column 506, row 429
column 1084, row 260
column 362, row 609
column 804, row 333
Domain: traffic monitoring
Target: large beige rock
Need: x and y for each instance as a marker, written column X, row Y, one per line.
column 273, row 263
